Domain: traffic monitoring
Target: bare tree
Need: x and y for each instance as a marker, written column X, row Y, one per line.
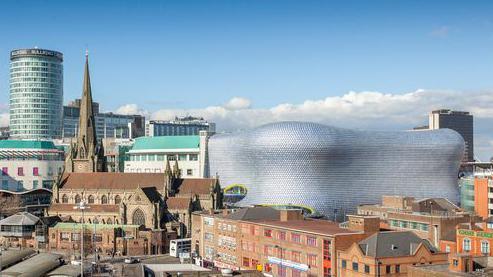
column 10, row 204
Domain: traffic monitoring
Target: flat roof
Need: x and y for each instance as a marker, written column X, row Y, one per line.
column 27, row 144
column 316, row 226
column 166, row 142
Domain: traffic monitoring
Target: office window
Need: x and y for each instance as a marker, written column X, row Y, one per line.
column 193, row 157
column 296, row 256
column 355, row 266
column 311, row 260
column 466, row 244
column 246, row 262
column 296, row 238
column 387, row 269
column 485, row 247
column 327, row 249
column 311, row 241
column 343, row 263
column 20, row 171
column 171, row 157
column 189, row 172
column 5, row 171
column 397, row 268
column 281, row 235
column 35, row 171
column 367, row 269
column 182, row 157
column 35, row 184
column 268, row 233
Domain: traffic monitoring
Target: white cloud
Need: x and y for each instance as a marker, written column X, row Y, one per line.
column 130, row 109
column 361, row 110
column 238, row 103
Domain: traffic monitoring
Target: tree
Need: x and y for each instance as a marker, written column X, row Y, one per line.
column 10, row 204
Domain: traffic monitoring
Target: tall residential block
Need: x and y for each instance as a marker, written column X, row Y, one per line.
column 461, row 122
column 36, row 94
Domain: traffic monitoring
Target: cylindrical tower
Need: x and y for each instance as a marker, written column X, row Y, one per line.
column 36, row 94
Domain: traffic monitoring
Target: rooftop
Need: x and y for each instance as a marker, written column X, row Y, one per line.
column 393, row 244
column 112, row 180
column 315, row 226
column 93, row 208
column 27, row 144
column 22, row 218
column 166, row 142
column 91, row 226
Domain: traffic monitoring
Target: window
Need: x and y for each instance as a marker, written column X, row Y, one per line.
column 281, row 235
column 193, row 157
column 355, row 266
column 343, row 263
column 311, row 241
column 268, row 233
column 311, row 260
column 118, row 199
column 485, row 247
column 47, row 184
column 296, row 256
column 35, row 171
column 104, row 199
column 456, row 262
column 35, row 184
column 138, row 218
column 327, row 249
column 367, row 269
column 64, row 236
column 447, row 248
column 387, row 269
column 466, row 244
column 20, row 171
column 90, row 199
column 5, row 171
column 246, row 262
column 77, row 199
column 397, row 268
column 189, row 172
column 281, row 271
column 295, row 273
column 20, row 185
column 296, row 238
column 182, row 157
column 171, row 157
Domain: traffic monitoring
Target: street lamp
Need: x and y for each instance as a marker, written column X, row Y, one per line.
column 81, row 206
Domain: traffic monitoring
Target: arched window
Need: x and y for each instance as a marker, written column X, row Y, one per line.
column 64, row 198
column 139, row 217
column 485, row 247
column 104, row 199
column 77, row 199
column 95, row 220
column 118, row 199
column 466, row 244
column 109, row 221
column 90, row 199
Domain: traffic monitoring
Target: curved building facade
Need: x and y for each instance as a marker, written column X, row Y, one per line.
column 332, row 170
column 36, row 94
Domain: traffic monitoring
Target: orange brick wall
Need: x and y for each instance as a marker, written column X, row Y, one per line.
column 481, row 196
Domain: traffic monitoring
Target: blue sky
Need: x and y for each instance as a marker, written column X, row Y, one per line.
column 241, row 63
column 189, row 54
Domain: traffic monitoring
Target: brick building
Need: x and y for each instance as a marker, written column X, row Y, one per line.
column 278, row 243
column 431, row 218
column 387, row 254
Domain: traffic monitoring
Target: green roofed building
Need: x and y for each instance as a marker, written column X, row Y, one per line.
column 29, row 164
column 149, row 155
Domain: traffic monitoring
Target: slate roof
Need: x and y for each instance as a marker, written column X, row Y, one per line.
column 443, row 204
column 255, row 213
column 21, row 218
column 152, row 194
column 166, row 142
column 393, row 244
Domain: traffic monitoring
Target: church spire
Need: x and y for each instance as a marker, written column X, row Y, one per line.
column 87, row 132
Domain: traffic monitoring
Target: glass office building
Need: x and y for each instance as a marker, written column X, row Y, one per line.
column 332, row 170
column 36, row 94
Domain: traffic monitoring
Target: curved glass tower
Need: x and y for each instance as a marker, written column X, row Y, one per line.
column 36, row 94
column 332, row 170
